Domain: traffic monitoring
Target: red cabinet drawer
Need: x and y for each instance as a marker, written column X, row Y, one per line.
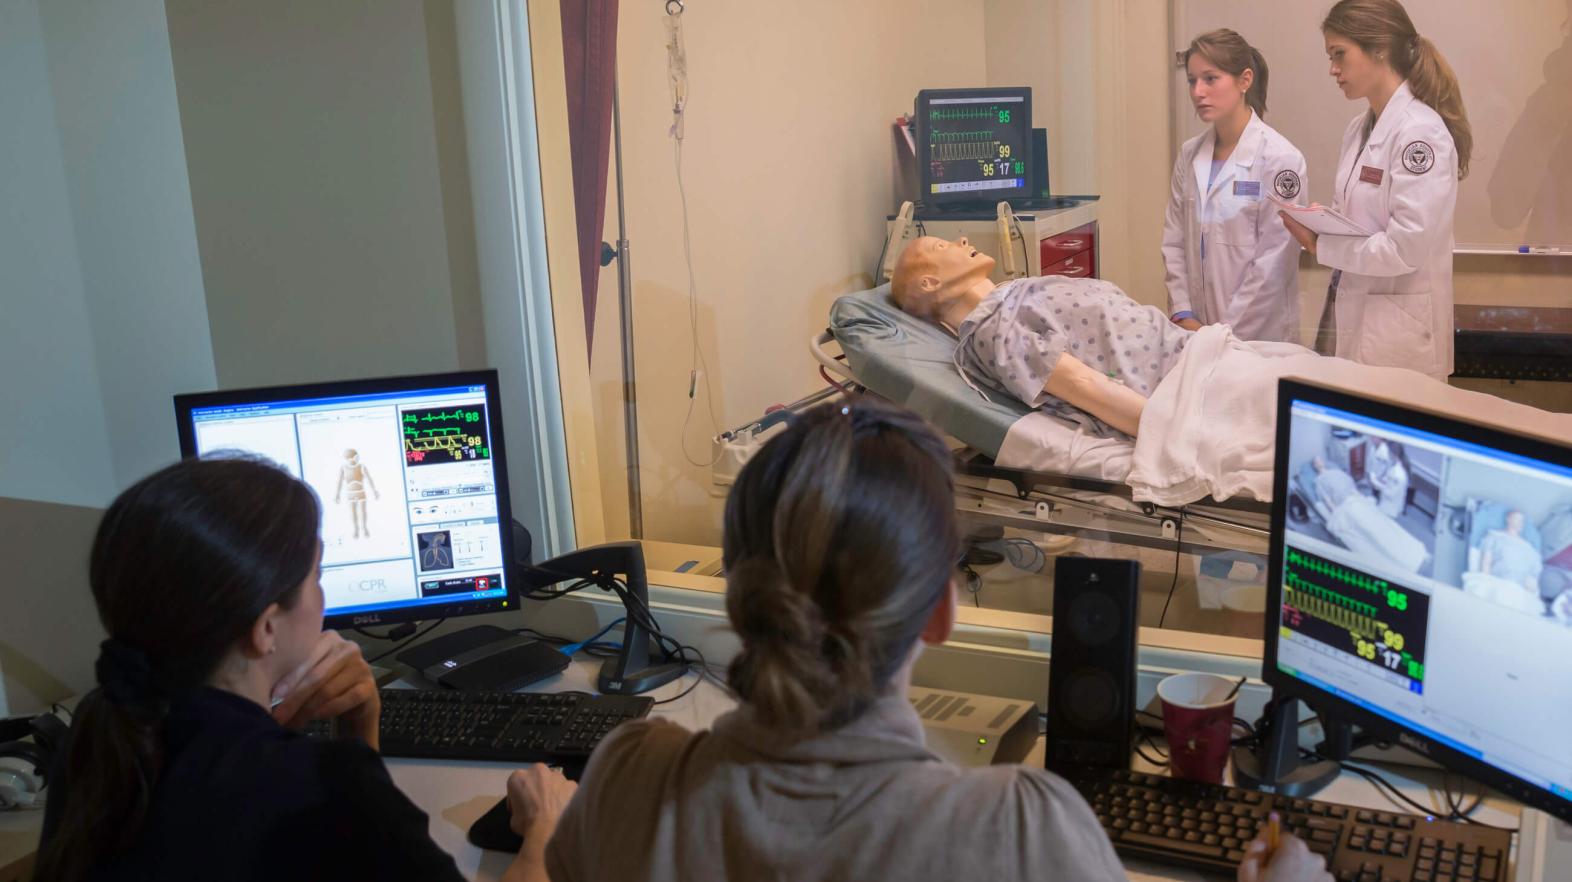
column 1079, row 266
column 1065, row 245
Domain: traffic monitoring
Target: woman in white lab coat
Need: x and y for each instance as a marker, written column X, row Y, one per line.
column 1391, row 292
column 1227, row 258
column 1388, row 471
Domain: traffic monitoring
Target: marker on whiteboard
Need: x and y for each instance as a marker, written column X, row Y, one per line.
column 1538, row 249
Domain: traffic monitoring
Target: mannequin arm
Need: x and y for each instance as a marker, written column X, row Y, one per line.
column 1079, row 386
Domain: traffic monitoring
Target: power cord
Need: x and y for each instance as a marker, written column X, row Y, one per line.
column 1178, row 544
column 397, row 632
column 406, row 642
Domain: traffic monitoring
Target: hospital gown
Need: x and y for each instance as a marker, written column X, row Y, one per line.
column 1013, row 339
column 1512, row 558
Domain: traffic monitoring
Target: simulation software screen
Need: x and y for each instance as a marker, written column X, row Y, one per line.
column 407, row 486
column 1422, row 582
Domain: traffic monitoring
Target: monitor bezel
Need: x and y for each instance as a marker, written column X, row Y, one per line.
column 187, row 402
column 924, row 173
column 1322, row 702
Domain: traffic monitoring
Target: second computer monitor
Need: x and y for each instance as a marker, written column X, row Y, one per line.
column 411, row 477
column 1421, row 585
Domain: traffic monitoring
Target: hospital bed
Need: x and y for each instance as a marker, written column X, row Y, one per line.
column 895, row 356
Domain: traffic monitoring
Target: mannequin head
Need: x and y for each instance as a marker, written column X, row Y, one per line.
column 1514, row 522
column 933, row 276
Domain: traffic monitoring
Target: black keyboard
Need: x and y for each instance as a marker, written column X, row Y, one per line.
column 1208, row 827
column 560, row 728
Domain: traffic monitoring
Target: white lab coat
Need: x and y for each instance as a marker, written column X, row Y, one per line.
column 1390, row 480
column 1394, row 301
column 1249, row 278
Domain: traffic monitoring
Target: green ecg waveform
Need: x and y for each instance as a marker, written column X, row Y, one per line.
column 1341, row 574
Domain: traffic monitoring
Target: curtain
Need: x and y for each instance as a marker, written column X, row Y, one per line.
column 589, row 43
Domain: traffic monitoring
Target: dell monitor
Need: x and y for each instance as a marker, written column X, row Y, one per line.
column 411, row 478
column 1420, row 586
column 974, row 145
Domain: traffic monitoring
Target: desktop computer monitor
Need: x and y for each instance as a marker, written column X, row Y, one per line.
column 974, row 145
column 411, row 477
column 1414, row 590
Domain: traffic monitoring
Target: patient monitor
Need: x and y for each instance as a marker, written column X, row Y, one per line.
column 974, row 145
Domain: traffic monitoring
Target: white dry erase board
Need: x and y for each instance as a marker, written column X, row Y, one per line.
column 1513, row 61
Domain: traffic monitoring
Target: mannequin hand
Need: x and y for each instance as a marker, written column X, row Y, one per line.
column 1189, row 324
column 1301, row 233
column 1292, row 862
column 333, row 682
column 536, row 798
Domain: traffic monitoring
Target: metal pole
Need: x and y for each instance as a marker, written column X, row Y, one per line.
column 630, row 401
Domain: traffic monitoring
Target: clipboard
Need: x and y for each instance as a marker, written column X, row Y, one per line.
column 1322, row 220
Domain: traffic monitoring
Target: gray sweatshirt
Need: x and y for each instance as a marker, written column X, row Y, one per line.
column 867, row 801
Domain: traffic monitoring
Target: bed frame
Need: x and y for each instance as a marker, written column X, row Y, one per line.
column 1087, row 507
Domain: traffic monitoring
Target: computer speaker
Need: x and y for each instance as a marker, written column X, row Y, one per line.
column 1091, row 670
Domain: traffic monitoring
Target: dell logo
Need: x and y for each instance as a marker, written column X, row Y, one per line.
column 1414, row 743
column 371, row 619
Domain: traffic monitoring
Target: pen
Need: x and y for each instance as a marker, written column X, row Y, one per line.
column 1538, row 249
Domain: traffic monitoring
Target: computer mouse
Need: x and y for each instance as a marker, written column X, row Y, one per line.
column 492, row 831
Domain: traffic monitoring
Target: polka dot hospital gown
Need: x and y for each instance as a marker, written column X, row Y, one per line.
column 1013, row 339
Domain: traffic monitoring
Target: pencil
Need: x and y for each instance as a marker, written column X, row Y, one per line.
column 1274, row 832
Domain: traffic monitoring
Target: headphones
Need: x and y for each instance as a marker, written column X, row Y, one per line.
column 20, row 785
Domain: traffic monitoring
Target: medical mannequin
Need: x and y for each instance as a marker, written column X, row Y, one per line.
column 1506, row 554
column 1391, row 292
column 1389, row 477
column 947, row 282
column 1227, row 259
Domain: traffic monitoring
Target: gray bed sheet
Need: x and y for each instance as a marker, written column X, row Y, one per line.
column 910, row 361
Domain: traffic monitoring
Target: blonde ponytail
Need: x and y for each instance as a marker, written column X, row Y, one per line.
column 1433, row 82
column 1383, row 27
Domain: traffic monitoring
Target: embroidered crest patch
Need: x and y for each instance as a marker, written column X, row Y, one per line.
column 1286, row 183
column 1419, row 157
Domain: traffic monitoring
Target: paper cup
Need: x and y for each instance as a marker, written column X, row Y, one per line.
column 1198, row 720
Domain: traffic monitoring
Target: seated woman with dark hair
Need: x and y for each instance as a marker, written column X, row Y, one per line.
column 206, row 578
column 839, row 548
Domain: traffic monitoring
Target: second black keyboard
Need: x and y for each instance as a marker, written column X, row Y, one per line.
column 560, row 728
column 1208, row 827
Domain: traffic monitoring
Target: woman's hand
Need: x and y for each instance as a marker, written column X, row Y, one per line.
column 1300, row 232
column 1293, row 861
column 1189, row 324
column 537, row 797
column 333, row 682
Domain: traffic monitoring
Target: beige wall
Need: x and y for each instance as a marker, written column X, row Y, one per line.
column 787, row 168
column 49, row 629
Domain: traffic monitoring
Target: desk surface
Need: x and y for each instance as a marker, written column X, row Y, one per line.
column 455, row 793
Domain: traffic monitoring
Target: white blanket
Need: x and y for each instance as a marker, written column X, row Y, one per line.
column 1041, row 442
column 1364, row 529
column 1209, row 429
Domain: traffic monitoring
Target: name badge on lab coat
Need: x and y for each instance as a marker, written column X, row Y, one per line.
column 1248, row 188
column 1370, row 174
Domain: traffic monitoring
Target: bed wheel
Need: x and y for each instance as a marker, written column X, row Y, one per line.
column 1298, row 511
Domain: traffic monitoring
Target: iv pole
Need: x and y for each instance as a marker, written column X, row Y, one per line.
column 630, row 401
